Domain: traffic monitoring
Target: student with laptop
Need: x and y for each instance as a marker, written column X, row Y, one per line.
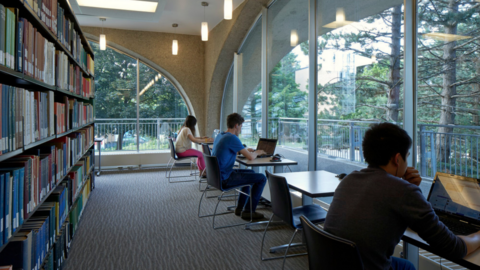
column 225, row 148
column 374, row 206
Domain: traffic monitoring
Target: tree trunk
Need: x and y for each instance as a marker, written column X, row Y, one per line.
column 447, row 115
column 395, row 76
column 476, row 89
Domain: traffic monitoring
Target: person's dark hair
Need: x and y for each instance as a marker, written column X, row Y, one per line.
column 190, row 123
column 383, row 141
column 233, row 119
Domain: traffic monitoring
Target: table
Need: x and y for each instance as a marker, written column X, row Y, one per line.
column 471, row 261
column 312, row 184
column 265, row 162
column 99, row 140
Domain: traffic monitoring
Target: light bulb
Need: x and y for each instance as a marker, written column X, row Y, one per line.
column 340, row 15
column 204, row 31
column 227, row 9
column 103, row 42
column 175, row 47
column 293, row 38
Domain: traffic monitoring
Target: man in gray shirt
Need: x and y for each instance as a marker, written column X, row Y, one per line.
column 374, row 206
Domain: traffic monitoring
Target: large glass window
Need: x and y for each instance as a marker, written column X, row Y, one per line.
column 360, row 76
column 448, row 87
column 161, row 109
column 287, row 41
column 249, row 89
column 115, row 99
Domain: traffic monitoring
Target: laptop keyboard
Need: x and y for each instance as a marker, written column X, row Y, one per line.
column 458, row 227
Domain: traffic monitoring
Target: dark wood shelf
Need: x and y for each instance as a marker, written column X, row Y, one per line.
column 10, row 154
column 73, row 130
column 37, row 143
column 66, row 92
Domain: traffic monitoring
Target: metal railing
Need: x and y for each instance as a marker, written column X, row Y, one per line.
column 454, row 152
column 121, row 133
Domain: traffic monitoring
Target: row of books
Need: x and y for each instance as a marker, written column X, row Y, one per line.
column 53, row 15
column 26, row 50
column 72, row 114
column 77, row 209
column 27, row 179
column 30, row 116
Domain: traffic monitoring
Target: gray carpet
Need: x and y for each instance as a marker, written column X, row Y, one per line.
column 137, row 220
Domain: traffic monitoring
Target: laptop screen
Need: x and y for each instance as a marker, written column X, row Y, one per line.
column 267, row 145
column 456, row 195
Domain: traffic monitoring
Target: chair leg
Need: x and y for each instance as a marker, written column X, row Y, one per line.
column 263, row 239
column 238, row 224
column 181, row 176
column 286, row 250
column 199, row 206
column 168, row 164
column 282, row 246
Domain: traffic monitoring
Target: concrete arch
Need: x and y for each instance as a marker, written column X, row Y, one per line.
column 153, row 65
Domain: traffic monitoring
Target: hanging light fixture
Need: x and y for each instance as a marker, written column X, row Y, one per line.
column 175, row 42
column 204, row 24
column 103, row 38
column 227, row 9
column 293, row 38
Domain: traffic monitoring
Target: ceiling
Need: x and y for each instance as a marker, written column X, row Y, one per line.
column 187, row 13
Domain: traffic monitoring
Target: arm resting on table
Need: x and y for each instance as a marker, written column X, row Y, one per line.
column 472, row 241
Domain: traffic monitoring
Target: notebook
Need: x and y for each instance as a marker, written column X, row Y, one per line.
column 267, row 145
column 456, row 201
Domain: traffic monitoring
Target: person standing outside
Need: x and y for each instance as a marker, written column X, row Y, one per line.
column 225, row 148
column 183, row 144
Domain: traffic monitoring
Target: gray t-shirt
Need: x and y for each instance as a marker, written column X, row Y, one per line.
column 373, row 209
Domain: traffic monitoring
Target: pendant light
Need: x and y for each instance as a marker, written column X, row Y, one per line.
column 175, row 42
column 204, row 24
column 293, row 38
column 103, row 38
column 227, row 9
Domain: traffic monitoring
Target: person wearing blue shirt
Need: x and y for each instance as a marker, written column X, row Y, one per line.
column 225, row 148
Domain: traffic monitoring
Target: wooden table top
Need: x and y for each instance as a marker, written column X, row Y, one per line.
column 312, row 183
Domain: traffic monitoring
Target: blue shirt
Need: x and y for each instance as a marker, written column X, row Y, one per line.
column 225, row 148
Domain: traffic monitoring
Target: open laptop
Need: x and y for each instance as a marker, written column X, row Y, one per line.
column 267, row 145
column 456, row 201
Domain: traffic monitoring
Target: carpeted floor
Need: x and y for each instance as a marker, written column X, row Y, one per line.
column 137, row 220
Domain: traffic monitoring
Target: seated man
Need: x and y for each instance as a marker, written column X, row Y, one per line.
column 374, row 206
column 225, row 148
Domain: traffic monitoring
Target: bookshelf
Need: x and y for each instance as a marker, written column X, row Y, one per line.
column 46, row 131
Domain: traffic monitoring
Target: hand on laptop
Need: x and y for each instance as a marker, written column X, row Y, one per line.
column 260, row 152
column 251, row 150
column 413, row 176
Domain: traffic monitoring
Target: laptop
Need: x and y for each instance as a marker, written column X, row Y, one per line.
column 456, row 201
column 267, row 145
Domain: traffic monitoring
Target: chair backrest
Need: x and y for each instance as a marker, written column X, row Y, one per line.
column 172, row 149
column 214, row 178
column 280, row 198
column 328, row 251
column 206, row 149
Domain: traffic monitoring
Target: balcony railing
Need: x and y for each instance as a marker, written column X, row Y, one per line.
column 452, row 152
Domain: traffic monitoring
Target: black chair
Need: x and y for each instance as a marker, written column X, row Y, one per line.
column 206, row 151
column 173, row 159
column 329, row 251
column 282, row 209
column 214, row 180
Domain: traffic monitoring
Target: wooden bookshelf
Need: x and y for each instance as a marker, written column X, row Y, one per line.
column 12, row 77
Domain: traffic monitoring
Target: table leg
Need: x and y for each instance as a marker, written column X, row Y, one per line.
column 410, row 252
column 99, row 159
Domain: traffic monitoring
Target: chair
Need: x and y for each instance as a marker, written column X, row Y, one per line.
column 206, row 151
column 282, row 209
column 330, row 251
column 173, row 159
column 214, row 180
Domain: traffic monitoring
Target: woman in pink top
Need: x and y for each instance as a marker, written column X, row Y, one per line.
column 183, row 145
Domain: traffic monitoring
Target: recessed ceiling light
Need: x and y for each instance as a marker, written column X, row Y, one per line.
column 130, row 5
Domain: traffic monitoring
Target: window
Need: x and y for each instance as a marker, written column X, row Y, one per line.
column 448, row 88
column 287, row 39
column 360, row 74
column 161, row 109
